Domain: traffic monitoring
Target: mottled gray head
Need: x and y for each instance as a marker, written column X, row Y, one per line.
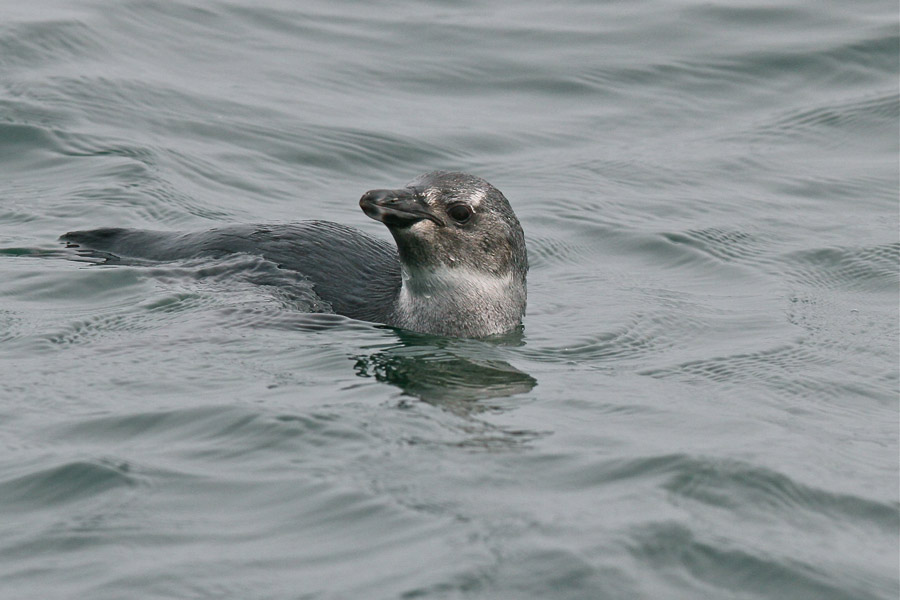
column 460, row 244
column 454, row 220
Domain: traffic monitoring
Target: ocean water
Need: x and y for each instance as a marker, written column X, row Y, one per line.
column 703, row 402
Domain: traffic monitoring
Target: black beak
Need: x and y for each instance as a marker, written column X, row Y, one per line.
column 397, row 208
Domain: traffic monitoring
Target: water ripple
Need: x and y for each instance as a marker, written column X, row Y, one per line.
column 872, row 268
column 37, row 43
column 711, row 567
column 66, row 483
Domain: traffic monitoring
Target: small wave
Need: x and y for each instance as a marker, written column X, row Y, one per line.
column 546, row 251
column 797, row 369
column 755, row 490
column 36, row 43
column 65, row 483
column 17, row 139
column 727, row 245
column 218, row 432
column 850, row 113
column 751, row 497
column 710, row 566
column 643, row 335
column 836, row 123
column 866, row 268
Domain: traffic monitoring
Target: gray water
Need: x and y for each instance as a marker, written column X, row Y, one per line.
column 703, row 402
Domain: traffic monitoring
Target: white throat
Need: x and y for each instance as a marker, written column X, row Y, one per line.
column 445, row 300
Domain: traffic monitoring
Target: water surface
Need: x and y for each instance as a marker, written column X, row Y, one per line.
column 703, row 402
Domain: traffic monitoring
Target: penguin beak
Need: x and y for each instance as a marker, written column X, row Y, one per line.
column 398, row 208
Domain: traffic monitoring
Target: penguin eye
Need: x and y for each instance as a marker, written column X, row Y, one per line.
column 460, row 213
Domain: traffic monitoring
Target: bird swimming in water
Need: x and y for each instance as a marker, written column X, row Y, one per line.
column 458, row 268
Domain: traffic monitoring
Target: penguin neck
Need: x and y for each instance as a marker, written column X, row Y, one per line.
column 458, row 301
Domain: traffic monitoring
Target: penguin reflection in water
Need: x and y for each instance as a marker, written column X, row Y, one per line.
column 458, row 268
